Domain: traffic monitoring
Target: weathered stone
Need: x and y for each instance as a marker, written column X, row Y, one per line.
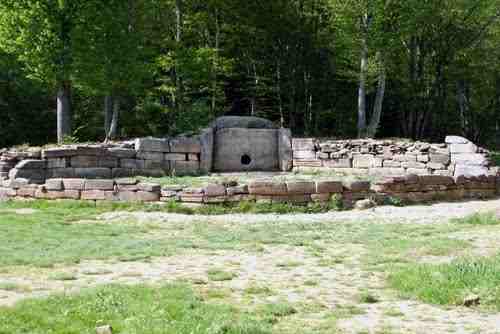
column 242, row 122
column 154, row 156
column 168, row 194
column 107, row 162
column 391, row 164
column 214, row 199
column 365, row 204
column 465, row 170
column 16, row 183
column 93, row 173
column 32, row 164
column 423, row 158
column 386, row 171
column 285, row 152
column 267, row 187
column 329, row 187
column 84, row 161
column 304, row 155
column 337, row 163
column 470, row 159
column 63, row 173
column 92, row 150
column 181, row 168
column 149, row 187
column 366, row 161
column 123, row 172
column 418, row 171
column 122, row 153
column 185, row 145
column 74, row 184
column 99, row 184
column 440, row 158
column 237, row 190
column 27, row 191
column 413, row 164
column 463, row 148
column 322, row 155
column 51, row 195
column 57, row 163
column 207, row 150
column 54, row 184
column 106, row 329
column 58, row 152
column 7, row 192
column 301, row 187
column 176, row 157
column 309, row 163
column 435, row 166
column 456, row 140
column 152, row 172
column 93, row 195
column 436, row 180
column 292, row 199
column 193, row 156
column 132, row 163
column 152, row 145
column 33, row 175
column 146, row 196
column 303, row 144
column 213, row 190
column 321, row 198
column 357, row 186
column 191, row 198
column 405, row 157
column 127, row 195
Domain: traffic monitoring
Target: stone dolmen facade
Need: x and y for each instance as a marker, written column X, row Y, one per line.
column 411, row 171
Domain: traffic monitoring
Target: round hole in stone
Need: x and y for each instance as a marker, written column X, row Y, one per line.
column 246, row 160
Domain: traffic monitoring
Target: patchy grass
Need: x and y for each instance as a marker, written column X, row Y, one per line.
column 484, row 219
column 16, row 287
column 449, row 284
column 128, row 309
column 219, row 275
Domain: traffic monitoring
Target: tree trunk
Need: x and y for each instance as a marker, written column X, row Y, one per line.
column 108, row 113
column 113, row 127
column 362, row 87
column 215, row 63
column 63, row 111
column 179, row 87
column 278, row 91
column 372, row 129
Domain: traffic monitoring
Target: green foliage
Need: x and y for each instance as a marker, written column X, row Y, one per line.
column 479, row 219
column 166, row 309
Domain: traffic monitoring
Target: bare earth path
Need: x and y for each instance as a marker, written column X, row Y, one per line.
column 290, row 273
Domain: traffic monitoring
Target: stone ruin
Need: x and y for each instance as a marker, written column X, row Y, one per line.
column 414, row 171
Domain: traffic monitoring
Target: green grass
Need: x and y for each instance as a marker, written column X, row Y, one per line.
column 170, row 309
column 219, row 275
column 479, row 219
column 449, row 284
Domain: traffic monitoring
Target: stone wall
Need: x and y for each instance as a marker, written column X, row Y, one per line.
column 143, row 157
column 411, row 188
column 457, row 156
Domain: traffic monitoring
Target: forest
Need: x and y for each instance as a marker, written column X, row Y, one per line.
column 95, row 70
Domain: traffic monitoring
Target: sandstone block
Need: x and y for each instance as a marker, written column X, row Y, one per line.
column 308, row 163
column 92, row 150
column 214, row 199
column 152, row 145
column 177, row 157
column 285, row 152
column 33, row 175
column 192, row 157
column 74, row 184
column 57, row 163
column 27, row 191
column 413, row 164
column 304, row 155
column 322, row 155
column 417, row 171
column 127, row 196
column 93, row 195
column 148, row 155
column 59, row 152
column 122, row 153
column 366, row 161
column 93, row 173
column 466, row 170
column 423, row 158
column 63, row 173
column 107, row 162
column 132, row 163
column 463, row 148
column 54, row 184
column 440, row 158
column 152, row 172
column 470, row 159
column 338, row 163
column 186, row 168
column 303, row 144
column 191, row 198
column 436, row 166
column 84, row 161
column 237, row 190
column 405, row 157
column 185, row 145
column 146, row 196
column 32, row 164
column 267, row 187
column 391, row 164
column 386, row 171
column 329, row 187
column 149, row 187
column 357, row 186
column 291, row 199
column 321, row 198
column 122, row 172
column 214, row 190
column 207, row 148
column 101, row 184
column 301, row 187
column 456, row 140
column 436, row 180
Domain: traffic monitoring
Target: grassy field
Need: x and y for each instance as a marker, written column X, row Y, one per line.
column 268, row 276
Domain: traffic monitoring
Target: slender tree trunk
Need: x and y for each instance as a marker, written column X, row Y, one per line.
column 379, row 101
column 256, row 89
column 113, row 127
column 179, row 100
column 63, row 111
column 462, row 106
column 497, row 111
column 108, row 113
column 215, row 63
column 278, row 92
column 362, row 86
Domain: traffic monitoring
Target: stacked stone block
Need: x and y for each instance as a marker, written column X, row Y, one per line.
column 457, row 156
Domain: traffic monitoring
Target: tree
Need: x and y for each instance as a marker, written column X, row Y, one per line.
column 40, row 34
